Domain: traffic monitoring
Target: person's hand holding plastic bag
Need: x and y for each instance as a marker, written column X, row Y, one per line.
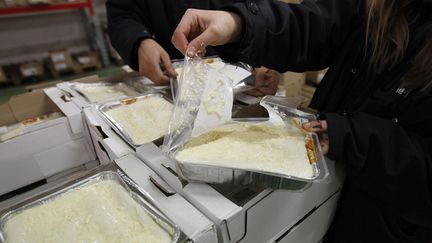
column 201, row 28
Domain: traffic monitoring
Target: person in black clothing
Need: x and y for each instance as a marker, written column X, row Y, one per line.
column 375, row 101
column 141, row 32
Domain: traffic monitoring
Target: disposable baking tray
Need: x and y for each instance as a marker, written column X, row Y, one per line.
column 102, row 173
column 144, row 85
column 128, row 90
column 256, row 178
column 117, row 127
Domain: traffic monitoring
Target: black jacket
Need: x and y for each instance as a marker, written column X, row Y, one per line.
column 381, row 131
column 131, row 21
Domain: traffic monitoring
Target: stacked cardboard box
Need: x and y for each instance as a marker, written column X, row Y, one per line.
column 31, row 70
column 3, row 78
column 43, row 149
column 87, row 61
column 61, row 62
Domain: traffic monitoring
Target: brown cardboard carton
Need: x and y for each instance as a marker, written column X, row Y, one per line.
column 292, row 83
column 3, row 77
column 31, row 69
column 60, row 62
column 315, row 77
column 87, row 60
column 26, row 106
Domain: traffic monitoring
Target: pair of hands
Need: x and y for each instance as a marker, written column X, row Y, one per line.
column 199, row 29
column 151, row 55
column 203, row 27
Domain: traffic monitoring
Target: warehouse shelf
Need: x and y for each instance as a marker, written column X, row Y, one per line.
column 40, row 8
column 92, row 23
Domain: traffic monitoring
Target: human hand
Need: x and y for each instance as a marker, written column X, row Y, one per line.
column 320, row 127
column 203, row 28
column 266, row 82
column 150, row 56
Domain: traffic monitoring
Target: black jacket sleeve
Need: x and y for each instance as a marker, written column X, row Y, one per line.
column 127, row 27
column 386, row 161
column 292, row 37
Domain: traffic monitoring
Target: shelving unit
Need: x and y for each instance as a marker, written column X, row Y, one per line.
column 40, row 8
column 92, row 24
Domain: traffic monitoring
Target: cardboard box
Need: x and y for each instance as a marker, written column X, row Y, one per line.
column 239, row 214
column 315, row 77
column 197, row 227
column 61, row 62
column 31, row 69
column 260, row 216
column 190, row 220
column 42, row 150
column 108, row 145
column 3, row 78
column 312, row 228
column 87, row 61
column 292, row 83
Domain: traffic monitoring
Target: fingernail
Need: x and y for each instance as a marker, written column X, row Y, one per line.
column 191, row 51
column 306, row 125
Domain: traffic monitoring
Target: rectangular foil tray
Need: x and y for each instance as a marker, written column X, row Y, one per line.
column 255, row 178
column 117, row 127
column 107, row 172
column 129, row 90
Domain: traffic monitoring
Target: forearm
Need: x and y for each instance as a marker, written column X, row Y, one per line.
column 126, row 28
column 297, row 37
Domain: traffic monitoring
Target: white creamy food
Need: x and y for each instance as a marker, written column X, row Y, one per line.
column 145, row 120
column 253, row 146
column 100, row 212
column 18, row 129
column 101, row 93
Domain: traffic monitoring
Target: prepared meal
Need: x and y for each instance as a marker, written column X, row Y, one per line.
column 261, row 147
column 144, row 120
column 18, row 129
column 101, row 93
column 100, row 212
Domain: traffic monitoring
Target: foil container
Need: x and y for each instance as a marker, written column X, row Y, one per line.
column 117, row 127
column 102, row 173
column 257, row 178
column 127, row 89
column 144, row 85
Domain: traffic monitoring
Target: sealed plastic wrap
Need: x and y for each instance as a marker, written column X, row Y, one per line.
column 276, row 153
column 239, row 73
column 104, row 206
column 204, row 100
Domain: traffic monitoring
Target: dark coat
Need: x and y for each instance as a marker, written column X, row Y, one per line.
column 131, row 21
column 383, row 133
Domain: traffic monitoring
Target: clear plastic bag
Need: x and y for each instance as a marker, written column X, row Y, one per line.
column 240, row 73
column 204, row 99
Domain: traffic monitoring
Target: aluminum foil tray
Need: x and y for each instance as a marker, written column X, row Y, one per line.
column 225, row 175
column 128, row 90
column 118, row 128
column 144, row 85
column 102, row 173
